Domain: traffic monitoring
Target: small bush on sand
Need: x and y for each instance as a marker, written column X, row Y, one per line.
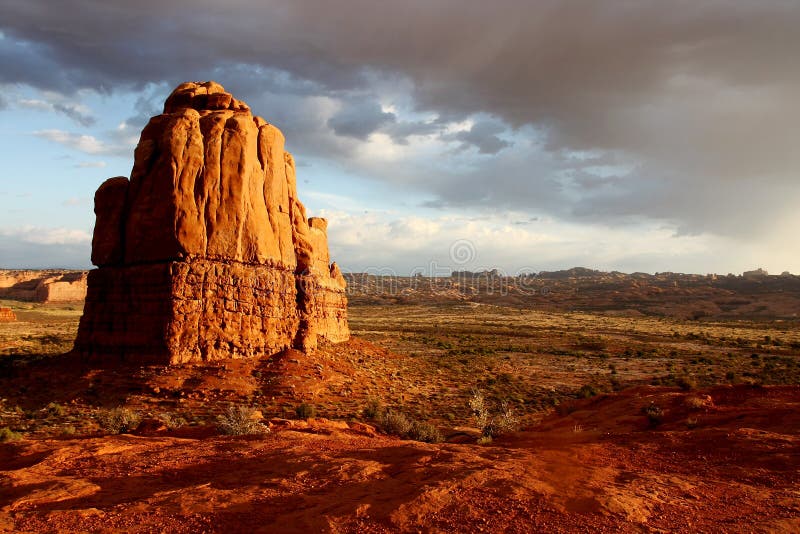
column 425, row 432
column 480, row 410
column 172, row 421
column 373, row 409
column 654, row 413
column 240, row 421
column 502, row 422
column 506, row 420
column 54, row 409
column 6, row 434
column 304, row 411
column 398, row 423
column 395, row 423
column 118, row 420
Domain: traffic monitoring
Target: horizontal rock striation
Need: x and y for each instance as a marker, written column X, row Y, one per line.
column 206, row 252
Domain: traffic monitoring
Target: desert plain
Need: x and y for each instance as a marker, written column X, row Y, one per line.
column 623, row 417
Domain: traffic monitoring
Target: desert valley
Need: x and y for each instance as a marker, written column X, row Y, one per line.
column 419, row 267
column 217, row 378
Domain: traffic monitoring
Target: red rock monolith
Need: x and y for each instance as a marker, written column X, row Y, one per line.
column 206, row 252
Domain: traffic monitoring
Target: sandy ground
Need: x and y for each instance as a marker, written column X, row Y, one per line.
column 601, row 467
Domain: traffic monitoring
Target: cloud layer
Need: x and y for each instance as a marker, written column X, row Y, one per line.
column 620, row 114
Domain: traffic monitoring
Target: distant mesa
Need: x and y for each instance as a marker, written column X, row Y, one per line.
column 757, row 273
column 51, row 286
column 206, row 251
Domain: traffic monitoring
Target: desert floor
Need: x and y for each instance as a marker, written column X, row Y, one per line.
column 626, row 424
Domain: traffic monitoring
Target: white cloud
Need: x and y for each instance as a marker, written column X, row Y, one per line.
column 80, row 142
column 57, row 103
column 47, row 236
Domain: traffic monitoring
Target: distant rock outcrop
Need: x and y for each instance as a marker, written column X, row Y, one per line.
column 206, row 252
column 7, row 315
column 50, row 286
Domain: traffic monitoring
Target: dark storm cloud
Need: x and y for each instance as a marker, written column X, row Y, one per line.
column 359, row 120
column 696, row 99
column 484, row 135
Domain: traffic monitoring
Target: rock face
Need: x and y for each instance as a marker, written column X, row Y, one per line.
column 206, row 252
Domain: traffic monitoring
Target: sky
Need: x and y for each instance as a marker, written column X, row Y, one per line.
column 434, row 135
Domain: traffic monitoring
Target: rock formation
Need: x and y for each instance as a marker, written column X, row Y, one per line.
column 206, row 252
column 7, row 315
column 43, row 286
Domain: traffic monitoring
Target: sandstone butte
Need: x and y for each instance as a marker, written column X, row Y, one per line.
column 205, row 252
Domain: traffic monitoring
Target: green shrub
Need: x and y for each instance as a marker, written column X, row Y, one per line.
column 118, row 420
column 54, row 409
column 425, row 432
column 240, row 421
column 172, row 421
column 6, row 434
column 396, row 423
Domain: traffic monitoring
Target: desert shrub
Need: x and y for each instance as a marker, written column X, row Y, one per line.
column 506, row 421
column 587, row 391
column 477, row 403
column 305, row 411
column 691, row 423
column 484, row 440
column 68, row 430
column 373, row 409
column 492, row 424
column 695, row 403
column 396, row 423
column 54, row 409
column 6, row 434
column 425, row 432
column 118, row 420
column 654, row 413
column 171, row 421
column 240, row 421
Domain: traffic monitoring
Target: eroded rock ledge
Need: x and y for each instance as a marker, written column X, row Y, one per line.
column 206, row 252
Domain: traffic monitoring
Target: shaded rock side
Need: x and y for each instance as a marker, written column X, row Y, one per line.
column 206, row 252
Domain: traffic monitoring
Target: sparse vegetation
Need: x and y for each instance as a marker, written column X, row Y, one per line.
column 654, row 413
column 373, row 409
column 240, row 421
column 118, row 420
column 6, row 434
column 490, row 424
column 394, row 422
column 172, row 421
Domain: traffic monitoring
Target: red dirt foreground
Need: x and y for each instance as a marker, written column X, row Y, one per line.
column 606, row 466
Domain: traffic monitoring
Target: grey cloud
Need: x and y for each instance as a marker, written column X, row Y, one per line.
column 360, row 120
column 699, row 97
column 482, row 135
column 75, row 113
